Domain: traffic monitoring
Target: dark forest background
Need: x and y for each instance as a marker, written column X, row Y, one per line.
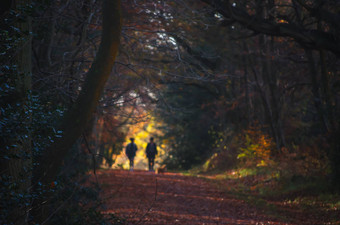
column 231, row 83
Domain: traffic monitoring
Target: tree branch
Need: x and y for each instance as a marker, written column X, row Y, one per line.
column 310, row 38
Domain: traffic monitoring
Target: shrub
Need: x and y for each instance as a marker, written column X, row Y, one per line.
column 256, row 147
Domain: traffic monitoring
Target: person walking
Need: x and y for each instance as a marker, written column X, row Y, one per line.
column 151, row 152
column 130, row 152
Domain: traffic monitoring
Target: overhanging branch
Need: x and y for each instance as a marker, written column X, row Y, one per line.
column 310, row 38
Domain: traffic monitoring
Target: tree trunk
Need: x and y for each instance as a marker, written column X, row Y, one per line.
column 270, row 89
column 327, row 96
column 246, row 87
column 315, row 90
column 77, row 117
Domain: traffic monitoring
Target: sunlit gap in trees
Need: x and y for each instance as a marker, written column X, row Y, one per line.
column 142, row 133
column 138, row 122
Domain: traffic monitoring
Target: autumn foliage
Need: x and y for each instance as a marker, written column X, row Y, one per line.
column 256, row 147
column 253, row 148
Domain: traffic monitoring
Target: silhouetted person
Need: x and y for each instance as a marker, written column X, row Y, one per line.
column 130, row 152
column 151, row 152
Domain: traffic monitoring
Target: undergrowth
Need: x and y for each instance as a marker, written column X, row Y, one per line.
column 280, row 198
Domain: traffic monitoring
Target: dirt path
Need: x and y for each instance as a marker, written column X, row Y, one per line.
column 142, row 197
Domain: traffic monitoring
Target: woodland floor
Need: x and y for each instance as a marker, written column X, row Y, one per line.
column 141, row 197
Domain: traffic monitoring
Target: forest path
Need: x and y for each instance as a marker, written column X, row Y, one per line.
column 143, row 197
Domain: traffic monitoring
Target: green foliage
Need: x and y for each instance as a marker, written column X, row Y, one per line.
column 249, row 151
column 256, row 147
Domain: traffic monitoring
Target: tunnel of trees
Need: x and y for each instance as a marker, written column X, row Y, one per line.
column 254, row 82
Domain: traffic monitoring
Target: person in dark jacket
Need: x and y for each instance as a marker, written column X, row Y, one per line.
column 130, row 152
column 151, row 152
